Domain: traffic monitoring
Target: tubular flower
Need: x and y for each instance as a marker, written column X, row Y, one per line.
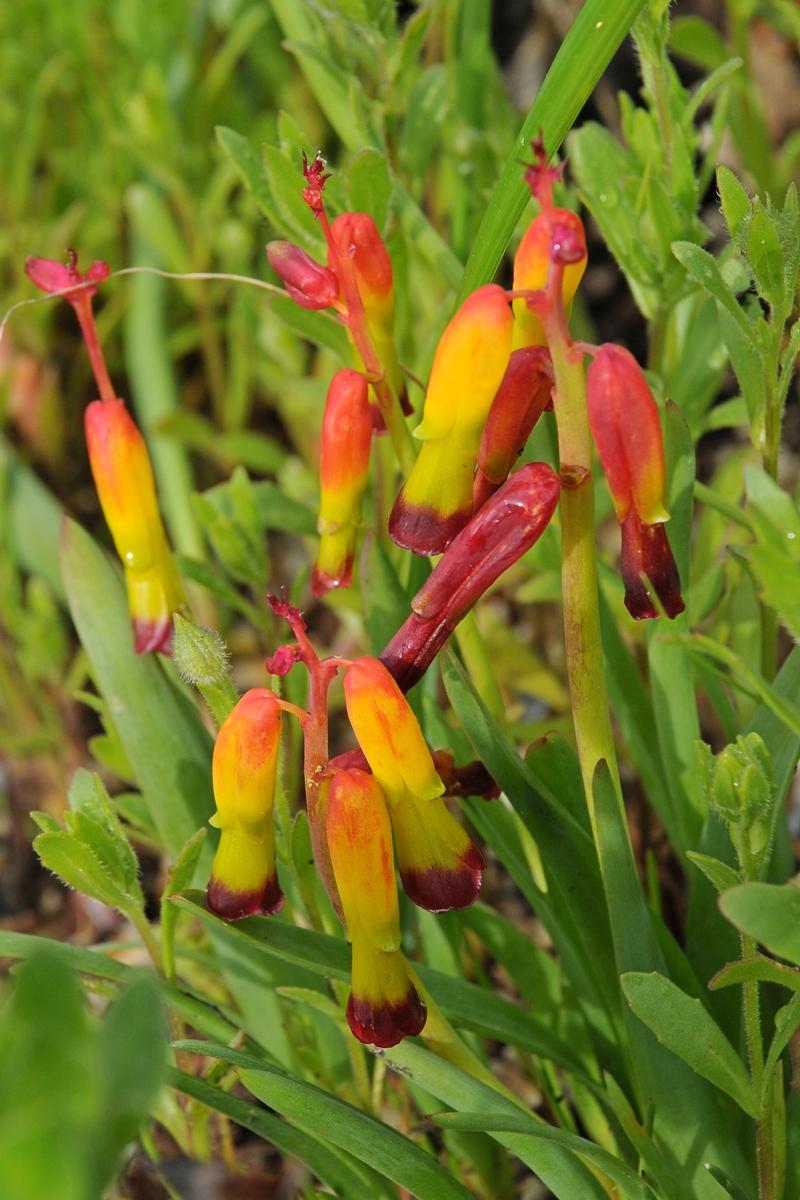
column 357, row 241
column 531, row 267
column 344, row 463
column 521, row 399
column 384, row 1006
column 627, row 430
column 439, row 863
column 308, row 282
column 122, row 472
column 511, row 521
column 243, row 876
column 124, row 480
column 436, row 499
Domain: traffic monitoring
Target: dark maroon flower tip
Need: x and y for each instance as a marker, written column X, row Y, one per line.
column 233, row 906
column 422, row 529
column 567, row 246
column 152, row 635
column 281, row 661
column 282, row 608
column 316, row 179
column 538, row 176
column 351, row 760
column 385, row 1025
column 323, row 582
column 646, row 551
column 438, row 889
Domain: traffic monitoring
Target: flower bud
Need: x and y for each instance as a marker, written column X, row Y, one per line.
column 511, row 521
column 468, row 368
column 310, row 284
column 439, row 864
column 740, row 786
column 124, row 480
column 383, row 1006
column 344, row 465
column 357, row 239
column 566, row 236
column 521, row 399
column 626, row 426
column 243, row 875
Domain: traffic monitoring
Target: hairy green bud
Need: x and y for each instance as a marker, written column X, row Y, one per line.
column 740, row 786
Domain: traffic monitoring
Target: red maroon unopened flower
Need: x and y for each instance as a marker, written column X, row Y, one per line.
column 521, row 399
column 510, row 522
column 439, row 863
column 562, row 240
column 384, row 1006
column 308, row 282
column 243, row 876
column 344, row 464
column 627, row 430
column 468, row 368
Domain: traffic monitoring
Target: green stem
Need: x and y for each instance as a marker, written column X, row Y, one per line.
column 755, row 1052
column 142, row 926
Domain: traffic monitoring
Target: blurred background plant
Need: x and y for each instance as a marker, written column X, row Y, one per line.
column 134, row 132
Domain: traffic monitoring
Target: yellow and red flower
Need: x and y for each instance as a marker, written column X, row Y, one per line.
column 468, row 368
column 439, row 863
column 384, row 1006
column 627, row 431
column 344, row 465
column 532, row 266
column 243, row 875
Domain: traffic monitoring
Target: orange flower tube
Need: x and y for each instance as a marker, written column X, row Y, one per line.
column 468, row 368
column 344, row 465
column 439, row 863
column 384, row 1006
column 531, row 268
column 243, row 875
column 626, row 426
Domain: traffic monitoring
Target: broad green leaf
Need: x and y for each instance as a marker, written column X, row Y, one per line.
column 343, row 1175
column 383, row 596
column 735, row 200
column 596, row 32
column 89, row 798
column 767, row 913
column 371, row 1141
column 767, row 259
column 316, row 327
column 759, row 970
column 272, row 510
column 699, row 41
column 424, row 115
column 554, row 761
column 80, row 868
column 251, row 170
column 629, row 1183
column 702, row 266
column 164, row 739
column 749, row 368
column 34, row 518
column 369, row 186
column 684, row 1026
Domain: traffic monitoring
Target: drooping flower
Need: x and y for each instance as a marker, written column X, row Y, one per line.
column 243, row 875
column 383, row 1006
column 344, row 464
column 436, row 499
column 532, row 264
column 627, row 430
column 125, row 485
column 122, row 472
column 510, row 522
column 521, row 399
column 439, row 863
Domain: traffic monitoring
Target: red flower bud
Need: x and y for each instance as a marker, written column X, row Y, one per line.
column 565, row 241
column 626, row 426
column 308, row 282
column 521, row 399
column 508, row 524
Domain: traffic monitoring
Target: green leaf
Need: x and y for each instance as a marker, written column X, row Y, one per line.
column 372, row 1142
column 89, row 798
column 424, row 115
column 594, row 37
column 736, row 204
column 344, row 1176
column 749, row 368
column 684, row 1026
column 164, row 739
column 272, row 509
column 702, row 266
column 34, row 520
column 626, row 1179
column 179, row 878
column 767, row 913
column 251, row 170
column 316, row 327
column 535, row 973
column 767, row 259
column 725, row 1181
column 756, row 970
column 382, row 594
column 369, row 186
column 80, row 868
column 699, row 41
column 721, row 875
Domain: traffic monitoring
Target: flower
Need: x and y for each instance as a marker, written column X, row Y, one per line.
column 243, row 875
column 521, row 399
column 383, row 1006
column 625, row 423
column 310, row 284
column 344, row 464
column 510, row 522
column 436, row 499
column 439, row 863
column 532, row 266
